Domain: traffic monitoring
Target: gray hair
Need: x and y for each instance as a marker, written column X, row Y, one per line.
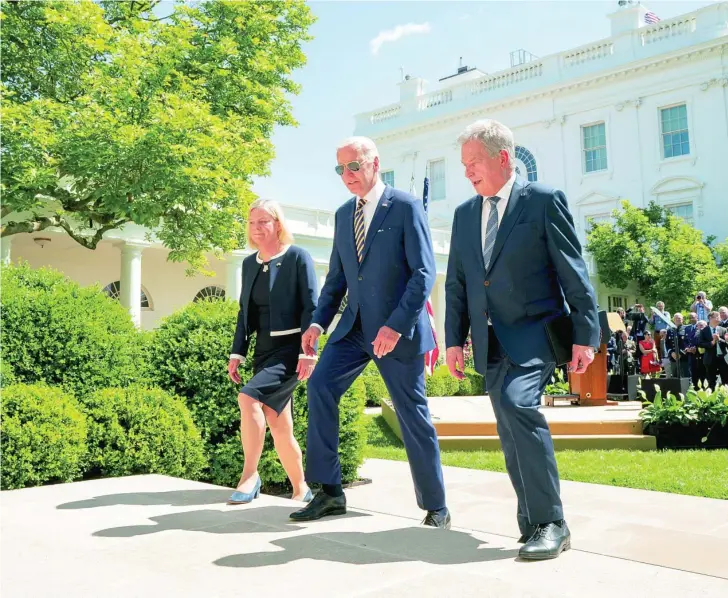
column 363, row 145
column 493, row 135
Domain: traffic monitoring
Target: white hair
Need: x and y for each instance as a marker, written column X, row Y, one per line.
column 494, row 136
column 364, row 146
column 274, row 209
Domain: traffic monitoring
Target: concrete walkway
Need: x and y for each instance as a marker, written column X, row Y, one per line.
column 157, row 536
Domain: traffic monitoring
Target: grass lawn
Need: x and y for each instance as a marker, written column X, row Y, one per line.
column 696, row 473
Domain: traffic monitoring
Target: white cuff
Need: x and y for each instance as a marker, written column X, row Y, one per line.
column 236, row 356
column 318, row 326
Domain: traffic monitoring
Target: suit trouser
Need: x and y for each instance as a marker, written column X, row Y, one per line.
column 340, row 364
column 515, row 393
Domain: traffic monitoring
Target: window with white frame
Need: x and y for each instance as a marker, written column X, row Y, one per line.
column 674, row 129
column 615, row 301
column 211, row 293
column 684, row 211
column 437, row 180
column 113, row 290
column 592, row 219
column 525, row 158
column 594, row 147
column 388, row 177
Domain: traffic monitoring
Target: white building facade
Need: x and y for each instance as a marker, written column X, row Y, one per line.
column 642, row 115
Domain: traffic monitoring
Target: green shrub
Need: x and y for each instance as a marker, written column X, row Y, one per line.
column 189, row 357
column 138, row 430
column 58, row 332
column 7, row 375
column 42, row 436
column 477, row 384
column 441, row 383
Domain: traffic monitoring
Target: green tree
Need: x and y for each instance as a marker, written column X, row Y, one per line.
column 666, row 257
column 115, row 115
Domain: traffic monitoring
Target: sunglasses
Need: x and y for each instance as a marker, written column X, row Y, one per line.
column 353, row 166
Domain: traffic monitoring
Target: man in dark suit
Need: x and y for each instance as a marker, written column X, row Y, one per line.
column 382, row 255
column 691, row 347
column 515, row 263
column 713, row 340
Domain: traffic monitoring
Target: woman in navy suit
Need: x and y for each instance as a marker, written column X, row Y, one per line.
column 279, row 294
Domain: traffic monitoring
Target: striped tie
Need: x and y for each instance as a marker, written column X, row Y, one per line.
column 491, row 231
column 359, row 234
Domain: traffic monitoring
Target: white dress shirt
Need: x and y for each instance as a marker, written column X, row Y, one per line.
column 504, row 194
column 373, row 197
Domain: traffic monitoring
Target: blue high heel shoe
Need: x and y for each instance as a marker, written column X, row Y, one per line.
column 308, row 497
column 242, row 498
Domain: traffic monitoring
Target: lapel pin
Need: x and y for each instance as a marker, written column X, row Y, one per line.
column 278, row 265
column 385, row 204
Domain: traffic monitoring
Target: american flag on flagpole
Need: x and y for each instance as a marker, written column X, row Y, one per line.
column 651, row 18
column 430, row 356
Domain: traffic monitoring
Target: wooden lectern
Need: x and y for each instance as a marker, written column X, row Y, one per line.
column 591, row 386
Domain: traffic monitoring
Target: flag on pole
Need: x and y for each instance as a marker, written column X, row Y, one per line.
column 651, row 18
column 430, row 356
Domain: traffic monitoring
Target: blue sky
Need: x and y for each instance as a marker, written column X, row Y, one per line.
column 345, row 76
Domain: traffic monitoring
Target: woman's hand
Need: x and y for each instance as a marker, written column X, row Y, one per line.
column 305, row 367
column 233, row 370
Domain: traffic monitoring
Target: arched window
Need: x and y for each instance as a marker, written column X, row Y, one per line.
column 210, row 293
column 526, row 164
column 113, row 290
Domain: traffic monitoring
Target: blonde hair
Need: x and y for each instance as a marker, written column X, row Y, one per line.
column 273, row 208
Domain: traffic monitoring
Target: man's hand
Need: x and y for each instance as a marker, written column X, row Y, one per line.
column 581, row 357
column 455, row 359
column 305, row 367
column 386, row 341
column 233, row 370
column 309, row 339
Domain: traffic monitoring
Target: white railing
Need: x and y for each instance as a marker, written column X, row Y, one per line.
column 384, row 114
column 669, row 29
column 509, row 77
column 588, row 53
column 699, row 26
column 437, row 98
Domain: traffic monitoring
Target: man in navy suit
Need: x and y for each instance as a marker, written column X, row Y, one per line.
column 515, row 263
column 382, row 255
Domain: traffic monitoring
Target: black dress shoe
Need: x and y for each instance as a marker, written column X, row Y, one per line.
column 547, row 542
column 321, row 506
column 438, row 519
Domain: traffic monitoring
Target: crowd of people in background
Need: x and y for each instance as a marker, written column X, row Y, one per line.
column 661, row 345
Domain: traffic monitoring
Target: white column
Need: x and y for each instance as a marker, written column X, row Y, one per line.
column 234, row 284
column 5, row 245
column 131, row 280
column 439, row 307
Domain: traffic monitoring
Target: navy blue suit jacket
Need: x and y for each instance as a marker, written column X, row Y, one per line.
column 392, row 284
column 293, row 296
column 536, row 274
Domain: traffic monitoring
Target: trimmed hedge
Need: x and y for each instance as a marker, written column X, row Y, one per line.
column 138, row 430
column 42, row 436
column 60, row 333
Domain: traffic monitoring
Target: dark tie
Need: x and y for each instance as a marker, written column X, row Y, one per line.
column 359, row 234
column 491, row 231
